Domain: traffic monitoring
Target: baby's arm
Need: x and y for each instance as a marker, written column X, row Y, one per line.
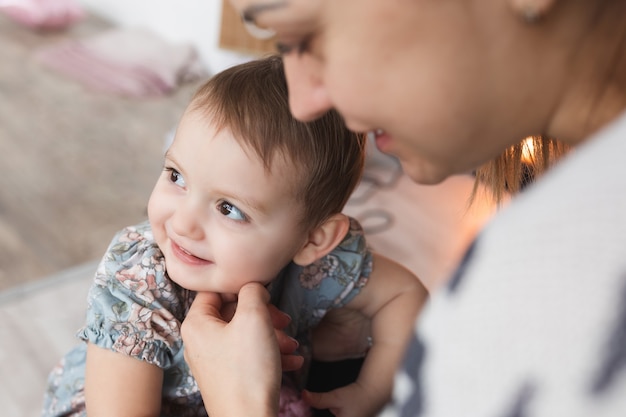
column 120, row 385
column 392, row 299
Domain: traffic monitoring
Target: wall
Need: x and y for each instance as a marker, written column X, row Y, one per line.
column 195, row 21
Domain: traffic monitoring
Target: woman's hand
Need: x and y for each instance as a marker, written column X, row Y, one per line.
column 238, row 364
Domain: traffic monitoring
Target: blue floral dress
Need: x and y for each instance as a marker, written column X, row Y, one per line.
column 136, row 310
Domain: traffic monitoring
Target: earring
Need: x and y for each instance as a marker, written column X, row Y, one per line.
column 531, row 11
column 530, row 14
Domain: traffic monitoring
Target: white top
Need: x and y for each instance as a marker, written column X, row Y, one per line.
column 534, row 321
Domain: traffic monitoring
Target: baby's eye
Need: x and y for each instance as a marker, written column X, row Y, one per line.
column 231, row 211
column 176, row 177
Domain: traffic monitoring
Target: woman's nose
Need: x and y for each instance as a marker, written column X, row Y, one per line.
column 308, row 96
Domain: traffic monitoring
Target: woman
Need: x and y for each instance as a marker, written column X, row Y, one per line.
column 533, row 321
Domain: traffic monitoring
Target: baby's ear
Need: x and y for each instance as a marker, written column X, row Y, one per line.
column 323, row 239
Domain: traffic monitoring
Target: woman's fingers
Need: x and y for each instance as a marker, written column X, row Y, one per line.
column 280, row 320
column 286, row 345
column 206, row 304
column 209, row 309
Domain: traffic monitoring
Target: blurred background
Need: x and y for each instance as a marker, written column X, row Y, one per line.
column 90, row 93
column 79, row 153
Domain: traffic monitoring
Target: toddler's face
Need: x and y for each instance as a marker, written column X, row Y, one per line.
column 219, row 217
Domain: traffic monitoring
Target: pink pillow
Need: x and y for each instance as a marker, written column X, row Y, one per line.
column 43, row 14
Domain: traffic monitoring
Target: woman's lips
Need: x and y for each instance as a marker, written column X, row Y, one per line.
column 187, row 257
column 382, row 140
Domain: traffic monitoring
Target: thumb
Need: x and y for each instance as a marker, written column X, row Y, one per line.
column 204, row 311
column 253, row 298
column 206, row 304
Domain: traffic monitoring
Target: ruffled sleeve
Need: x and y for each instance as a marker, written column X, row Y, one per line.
column 133, row 307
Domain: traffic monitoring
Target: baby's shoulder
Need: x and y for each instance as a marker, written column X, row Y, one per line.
column 132, row 253
column 134, row 241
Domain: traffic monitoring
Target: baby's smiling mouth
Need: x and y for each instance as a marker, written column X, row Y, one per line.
column 186, row 256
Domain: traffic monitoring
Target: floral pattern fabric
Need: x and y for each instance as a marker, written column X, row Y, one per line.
column 136, row 310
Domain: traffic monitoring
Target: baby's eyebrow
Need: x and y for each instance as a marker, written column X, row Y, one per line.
column 251, row 12
column 255, row 205
column 168, row 156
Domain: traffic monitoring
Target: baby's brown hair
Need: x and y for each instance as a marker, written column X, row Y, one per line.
column 251, row 100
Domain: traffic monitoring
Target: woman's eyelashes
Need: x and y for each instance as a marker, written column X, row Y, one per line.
column 231, row 211
column 175, row 177
column 300, row 48
column 283, row 48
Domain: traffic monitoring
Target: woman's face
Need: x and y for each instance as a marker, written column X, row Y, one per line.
column 421, row 72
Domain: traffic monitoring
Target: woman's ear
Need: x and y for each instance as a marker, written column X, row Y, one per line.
column 323, row 239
